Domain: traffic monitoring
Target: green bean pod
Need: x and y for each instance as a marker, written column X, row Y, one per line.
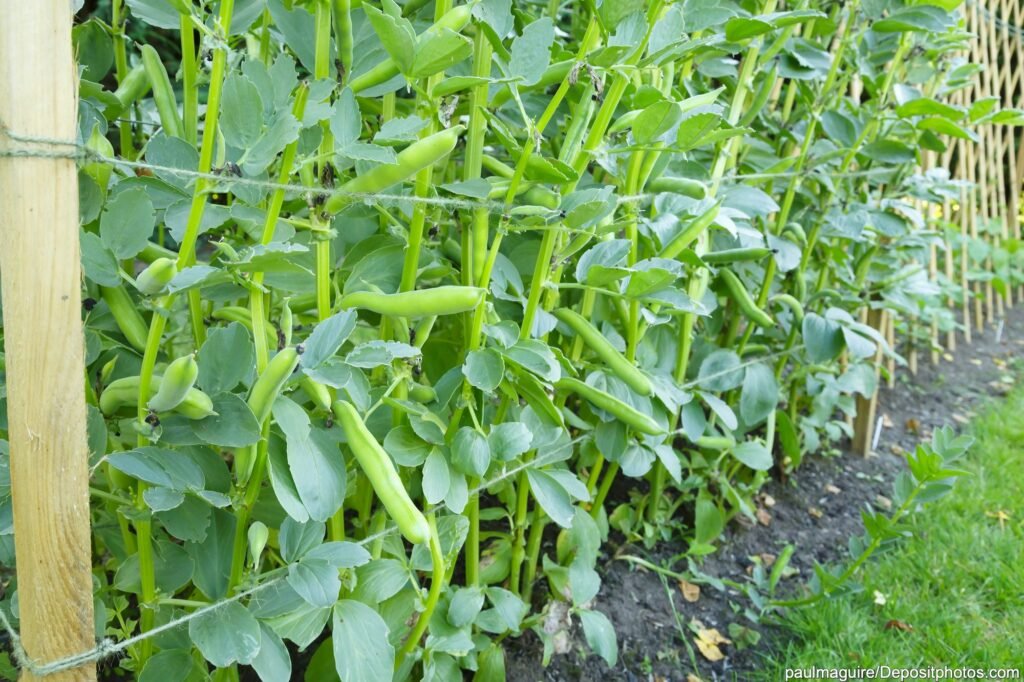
column 596, row 341
column 410, row 161
column 791, row 303
column 627, row 414
column 796, row 233
column 126, row 315
column 692, row 231
column 444, row 300
column 124, row 392
column 155, row 278
column 744, row 300
column 736, row 255
column 178, row 379
column 317, row 392
column 99, row 171
column 269, row 384
column 132, row 87
column 421, row 393
column 695, row 189
column 380, row 471
column 163, row 93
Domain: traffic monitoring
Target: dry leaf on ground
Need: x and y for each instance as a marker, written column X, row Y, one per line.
column 708, row 641
column 691, row 592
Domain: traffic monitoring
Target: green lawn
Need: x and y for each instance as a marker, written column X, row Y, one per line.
column 959, row 583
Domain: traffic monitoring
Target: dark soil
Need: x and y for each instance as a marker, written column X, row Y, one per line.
column 817, row 510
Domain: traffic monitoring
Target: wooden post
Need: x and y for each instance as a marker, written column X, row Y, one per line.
column 867, row 408
column 42, row 309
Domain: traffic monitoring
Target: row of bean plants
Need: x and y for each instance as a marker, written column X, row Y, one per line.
column 394, row 312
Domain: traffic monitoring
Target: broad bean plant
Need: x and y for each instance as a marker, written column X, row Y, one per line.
column 396, row 311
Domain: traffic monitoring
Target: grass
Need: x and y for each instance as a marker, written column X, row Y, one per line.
column 959, row 583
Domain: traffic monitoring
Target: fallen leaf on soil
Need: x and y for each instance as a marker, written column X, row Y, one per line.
column 899, row 625
column 913, row 425
column 768, row 500
column 691, row 592
column 959, row 418
column 767, row 559
column 763, row 517
column 707, row 641
column 948, row 357
column 976, row 361
column 693, row 678
column 886, row 421
column 883, row 502
column 832, row 489
column 896, row 449
column 879, row 598
column 815, row 512
column 557, row 623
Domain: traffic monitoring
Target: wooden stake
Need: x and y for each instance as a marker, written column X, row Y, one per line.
column 864, row 423
column 39, row 260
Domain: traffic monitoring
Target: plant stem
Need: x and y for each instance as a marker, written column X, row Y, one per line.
column 189, row 90
column 437, row 581
column 117, row 26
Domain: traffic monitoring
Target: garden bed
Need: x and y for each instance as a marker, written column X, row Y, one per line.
column 650, row 613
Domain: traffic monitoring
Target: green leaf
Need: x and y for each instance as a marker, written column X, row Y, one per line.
column 436, row 477
column 98, row 262
column 926, row 106
column 316, row 581
column 536, row 357
column 405, row 447
column 314, row 460
column 438, row 51
column 917, row 18
column 296, row 538
column 720, row 371
column 228, row 634
column 233, row 426
column 600, row 635
column 171, row 665
column 240, row 105
column 471, row 454
column 226, row 358
column 708, row 521
column 362, row 652
column 531, row 52
column 213, row 556
column 465, row 605
column 823, row 339
column 484, row 369
column 509, row 440
column 273, row 663
column 754, row 454
column 943, row 126
column 158, row 13
column 127, row 223
column 327, row 337
column 743, row 28
column 614, row 11
column 551, row 496
column 760, row 393
column 655, row 121
column 159, row 467
column 396, row 34
column 379, row 353
column 509, row 607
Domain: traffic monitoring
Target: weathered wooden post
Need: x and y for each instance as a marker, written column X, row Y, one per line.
column 39, row 263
